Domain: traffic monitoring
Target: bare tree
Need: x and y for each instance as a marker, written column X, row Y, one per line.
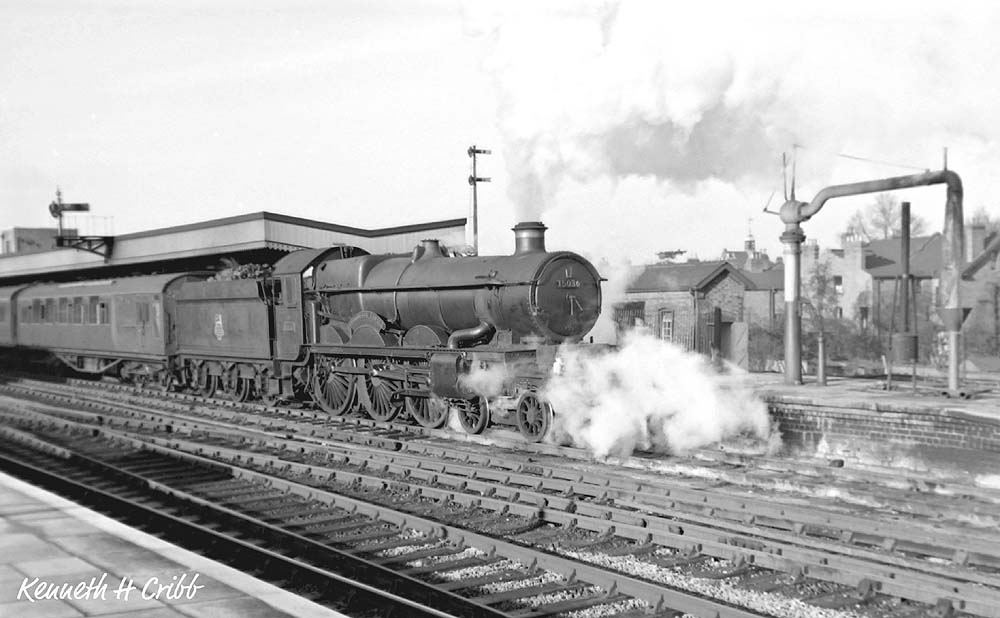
column 984, row 218
column 857, row 225
column 820, row 296
column 883, row 219
column 884, row 215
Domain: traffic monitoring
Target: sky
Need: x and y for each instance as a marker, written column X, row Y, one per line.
column 628, row 127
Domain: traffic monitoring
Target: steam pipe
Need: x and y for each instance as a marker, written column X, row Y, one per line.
column 793, row 213
column 462, row 338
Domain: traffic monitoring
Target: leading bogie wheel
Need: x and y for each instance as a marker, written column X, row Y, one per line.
column 534, row 416
column 430, row 411
column 474, row 415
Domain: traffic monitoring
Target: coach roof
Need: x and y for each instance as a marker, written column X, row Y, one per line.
column 151, row 284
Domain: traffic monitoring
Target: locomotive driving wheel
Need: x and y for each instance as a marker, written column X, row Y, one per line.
column 474, row 415
column 533, row 417
column 379, row 396
column 333, row 392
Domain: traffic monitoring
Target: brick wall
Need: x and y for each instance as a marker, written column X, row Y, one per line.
column 757, row 307
column 725, row 292
column 681, row 303
column 925, row 438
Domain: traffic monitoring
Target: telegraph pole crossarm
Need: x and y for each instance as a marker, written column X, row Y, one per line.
column 474, row 181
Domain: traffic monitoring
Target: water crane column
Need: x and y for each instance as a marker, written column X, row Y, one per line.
column 794, row 213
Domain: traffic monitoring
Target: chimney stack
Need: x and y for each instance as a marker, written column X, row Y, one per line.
column 529, row 237
column 975, row 241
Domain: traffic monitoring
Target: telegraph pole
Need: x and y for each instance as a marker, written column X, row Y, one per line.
column 474, row 180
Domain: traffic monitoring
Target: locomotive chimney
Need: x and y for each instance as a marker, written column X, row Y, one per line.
column 432, row 248
column 529, row 237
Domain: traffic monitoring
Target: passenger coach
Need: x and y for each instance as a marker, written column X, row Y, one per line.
column 120, row 326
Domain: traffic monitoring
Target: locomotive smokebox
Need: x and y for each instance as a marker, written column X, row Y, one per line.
column 529, row 237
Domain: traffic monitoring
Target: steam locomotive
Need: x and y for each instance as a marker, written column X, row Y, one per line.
column 418, row 334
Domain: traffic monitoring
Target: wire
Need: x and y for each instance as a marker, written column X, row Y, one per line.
column 868, row 159
column 889, row 163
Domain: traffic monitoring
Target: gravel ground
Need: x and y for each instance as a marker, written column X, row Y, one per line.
column 777, row 605
column 611, row 609
column 468, row 552
column 479, row 571
column 406, row 549
column 557, row 597
column 546, row 577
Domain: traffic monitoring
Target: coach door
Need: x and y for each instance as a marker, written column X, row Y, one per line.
column 287, row 292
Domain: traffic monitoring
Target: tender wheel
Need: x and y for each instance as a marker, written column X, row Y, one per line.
column 533, row 417
column 333, row 392
column 474, row 415
column 204, row 384
column 236, row 387
column 165, row 381
column 378, row 399
column 430, row 412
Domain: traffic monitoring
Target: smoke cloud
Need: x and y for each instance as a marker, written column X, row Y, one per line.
column 714, row 92
column 651, row 395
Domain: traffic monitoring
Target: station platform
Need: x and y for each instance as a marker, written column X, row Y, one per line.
column 46, row 540
column 859, row 419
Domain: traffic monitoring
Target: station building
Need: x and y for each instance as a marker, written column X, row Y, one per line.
column 255, row 238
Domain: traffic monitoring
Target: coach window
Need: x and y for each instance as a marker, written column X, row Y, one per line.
column 78, row 311
column 92, row 310
column 63, row 315
column 3, row 312
column 102, row 311
column 276, row 291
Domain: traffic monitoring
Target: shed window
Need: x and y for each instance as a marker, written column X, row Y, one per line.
column 666, row 325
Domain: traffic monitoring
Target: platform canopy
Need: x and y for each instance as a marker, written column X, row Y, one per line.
column 260, row 237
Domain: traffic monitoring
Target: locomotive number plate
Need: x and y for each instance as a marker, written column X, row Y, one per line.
column 568, row 281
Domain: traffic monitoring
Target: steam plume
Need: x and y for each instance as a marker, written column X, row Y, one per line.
column 649, row 394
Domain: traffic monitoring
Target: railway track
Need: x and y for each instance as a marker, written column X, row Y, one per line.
column 708, row 536
column 128, row 490
column 396, row 560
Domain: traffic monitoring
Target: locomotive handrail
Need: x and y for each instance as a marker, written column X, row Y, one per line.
column 423, row 288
